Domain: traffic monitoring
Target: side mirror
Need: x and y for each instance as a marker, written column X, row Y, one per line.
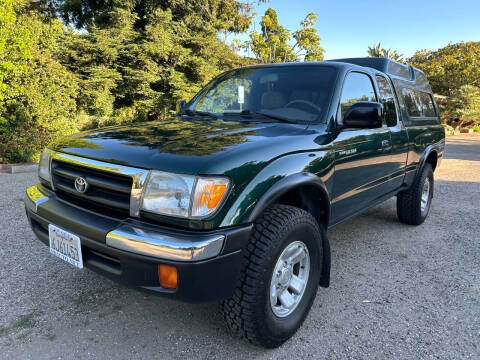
column 364, row 115
column 181, row 105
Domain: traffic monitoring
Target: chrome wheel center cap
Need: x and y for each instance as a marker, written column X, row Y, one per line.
column 285, row 276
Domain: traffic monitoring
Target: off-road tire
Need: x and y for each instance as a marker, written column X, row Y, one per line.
column 248, row 312
column 409, row 201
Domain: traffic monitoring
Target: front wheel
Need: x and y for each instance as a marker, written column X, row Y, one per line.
column 279, row 279
column 413, row 204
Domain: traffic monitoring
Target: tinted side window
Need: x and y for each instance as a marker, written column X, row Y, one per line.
column 357, row 87
column 412, row 102
column 427, row 105
column 419, row 104
column 388, row 101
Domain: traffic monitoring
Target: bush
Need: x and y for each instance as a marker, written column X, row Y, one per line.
column 37, row 93
column 464, row 106
column 476, row 128
column 122, row 116
column 448, row 129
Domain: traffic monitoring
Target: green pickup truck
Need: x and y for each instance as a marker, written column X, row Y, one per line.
column 231, row 199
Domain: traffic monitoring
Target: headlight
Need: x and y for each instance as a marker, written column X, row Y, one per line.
column 168, row 194
column 183, row 195
column 44, row 166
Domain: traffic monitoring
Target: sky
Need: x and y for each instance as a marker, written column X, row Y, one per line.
column 348, row 27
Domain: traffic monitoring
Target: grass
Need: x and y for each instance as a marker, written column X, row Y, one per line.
column 23, row 322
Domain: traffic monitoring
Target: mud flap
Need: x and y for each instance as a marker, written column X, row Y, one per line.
column 325, row 277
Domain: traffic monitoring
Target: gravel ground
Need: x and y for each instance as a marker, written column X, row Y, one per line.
column 398, row 292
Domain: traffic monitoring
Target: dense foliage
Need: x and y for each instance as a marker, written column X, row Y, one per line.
column 450, row 67
column 454, row 71
column 139, row 58
column 463, row 106
column 273, row 43
column 37, row 93
column 105, row 62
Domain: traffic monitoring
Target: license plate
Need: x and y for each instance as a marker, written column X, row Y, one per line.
column 65, row 245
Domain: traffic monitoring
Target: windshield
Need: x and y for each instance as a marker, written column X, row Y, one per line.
column 299, row 93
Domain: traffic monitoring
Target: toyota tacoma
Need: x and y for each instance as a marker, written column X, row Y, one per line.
column 231, row 199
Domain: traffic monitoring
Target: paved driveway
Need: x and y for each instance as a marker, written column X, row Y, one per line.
column 398, row 292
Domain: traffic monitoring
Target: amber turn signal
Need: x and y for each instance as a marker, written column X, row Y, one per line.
column 168, row 276
column 209, row 193
column 212, row 195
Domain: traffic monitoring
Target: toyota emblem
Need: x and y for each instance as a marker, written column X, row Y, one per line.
column 81, row 184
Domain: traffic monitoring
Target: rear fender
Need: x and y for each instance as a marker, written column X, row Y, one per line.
column 437, row 148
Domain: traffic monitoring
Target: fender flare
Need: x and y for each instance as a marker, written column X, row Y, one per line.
column 426, row 153
column 282, row 187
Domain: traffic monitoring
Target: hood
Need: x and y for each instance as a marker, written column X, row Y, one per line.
column 182, row 146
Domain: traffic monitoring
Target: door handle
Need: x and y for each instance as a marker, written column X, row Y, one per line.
column 385, row 143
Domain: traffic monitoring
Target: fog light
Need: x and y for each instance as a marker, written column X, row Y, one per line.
column 168, row 276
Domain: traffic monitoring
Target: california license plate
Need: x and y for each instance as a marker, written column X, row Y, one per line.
column 65, row 245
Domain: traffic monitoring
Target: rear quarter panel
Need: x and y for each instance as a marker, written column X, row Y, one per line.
column 424, row 138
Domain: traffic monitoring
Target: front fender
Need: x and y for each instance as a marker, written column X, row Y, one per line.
column 283, row 174
column 283, row 186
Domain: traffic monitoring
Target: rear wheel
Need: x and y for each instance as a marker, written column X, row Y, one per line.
column 279, row 279
column 413, row 204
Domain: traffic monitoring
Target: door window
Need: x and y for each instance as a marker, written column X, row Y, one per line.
column 388, row 101
column 357, row 87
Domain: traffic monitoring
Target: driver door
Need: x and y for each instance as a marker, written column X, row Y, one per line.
column 361, row 155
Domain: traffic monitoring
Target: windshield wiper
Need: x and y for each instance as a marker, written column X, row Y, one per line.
column 197, row 113
column 258, row 113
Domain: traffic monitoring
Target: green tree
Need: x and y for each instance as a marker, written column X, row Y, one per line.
column 15, row 42
column 377, row 51
column 147, row 55
column 450, row 67
column 37, row 93
column 308, row 40
column 131, row 60
column 464, row 105
column 273, row 43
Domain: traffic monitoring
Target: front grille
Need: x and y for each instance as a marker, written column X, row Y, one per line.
column 107, row 192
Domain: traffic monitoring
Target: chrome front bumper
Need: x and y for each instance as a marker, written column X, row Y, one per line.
column 34, row 197
column 161, row 245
